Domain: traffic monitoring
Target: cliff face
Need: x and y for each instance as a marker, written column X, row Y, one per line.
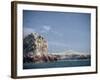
column 35, row 49
column 35, row 44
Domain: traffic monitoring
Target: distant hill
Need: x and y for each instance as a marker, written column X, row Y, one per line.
column 70, row 54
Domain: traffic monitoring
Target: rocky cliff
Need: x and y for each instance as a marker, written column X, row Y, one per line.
column 35, row 49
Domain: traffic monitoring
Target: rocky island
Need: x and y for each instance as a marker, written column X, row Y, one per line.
column 35, row 50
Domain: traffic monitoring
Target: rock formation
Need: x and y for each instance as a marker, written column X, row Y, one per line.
column 35, row 49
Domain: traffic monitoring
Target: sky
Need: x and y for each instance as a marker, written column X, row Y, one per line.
column 62, row 30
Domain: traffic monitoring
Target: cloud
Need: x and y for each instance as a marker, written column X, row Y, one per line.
column 46, row 27
column 28, row 30
column 57, row 33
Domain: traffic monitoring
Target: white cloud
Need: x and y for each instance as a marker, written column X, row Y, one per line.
column 46, row 27
column 57, row 33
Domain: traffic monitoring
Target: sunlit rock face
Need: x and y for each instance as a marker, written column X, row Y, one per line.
column 41, row 46
column 35, row 44
column 35, row 48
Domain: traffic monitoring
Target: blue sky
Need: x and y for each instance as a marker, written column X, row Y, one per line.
column 62, row 30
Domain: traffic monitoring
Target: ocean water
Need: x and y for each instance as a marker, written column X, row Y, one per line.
column 60, row 63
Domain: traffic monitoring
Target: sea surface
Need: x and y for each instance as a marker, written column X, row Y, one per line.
column 56, row 64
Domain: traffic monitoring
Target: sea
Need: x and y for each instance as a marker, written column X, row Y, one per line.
column 58, row 64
